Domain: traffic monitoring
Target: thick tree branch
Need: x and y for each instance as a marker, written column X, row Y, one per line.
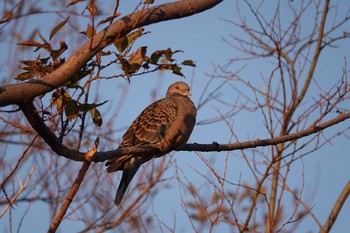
column 26, row 91
column 49, row 137
column 39, row 126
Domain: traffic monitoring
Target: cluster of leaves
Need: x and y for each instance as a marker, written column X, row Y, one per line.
column 132, row 63
column 72, row 108
column 41, row 66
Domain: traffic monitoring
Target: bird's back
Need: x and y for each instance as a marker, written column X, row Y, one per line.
column 165, row 124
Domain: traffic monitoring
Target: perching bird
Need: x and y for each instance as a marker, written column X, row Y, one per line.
column 166, row 124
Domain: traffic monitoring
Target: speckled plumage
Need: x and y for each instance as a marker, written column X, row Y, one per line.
column 166, row 124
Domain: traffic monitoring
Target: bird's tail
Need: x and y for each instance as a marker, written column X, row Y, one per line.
column 117, row 164
column 127, row 176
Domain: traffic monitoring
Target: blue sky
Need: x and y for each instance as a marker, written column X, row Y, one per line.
column 201, row 37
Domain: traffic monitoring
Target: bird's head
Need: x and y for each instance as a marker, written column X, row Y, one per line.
column 180, row 88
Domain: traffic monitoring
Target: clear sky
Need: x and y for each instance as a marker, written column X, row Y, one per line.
column 201, row 37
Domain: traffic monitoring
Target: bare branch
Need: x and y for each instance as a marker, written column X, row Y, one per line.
column 22, row 187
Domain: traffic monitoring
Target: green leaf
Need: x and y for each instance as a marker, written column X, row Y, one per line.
column 188, row 63
column 89, row 107
column 125, row 64
column 134, row 68
column 126, row 41
column 178, row 51
column 60, row 98
column 121, row 44
column 42, row 38
column 165, row 67
column 28, row 64
column 56, row 53
column 46, row 45
column 138, row 56
column 58, row 27
column 96, row 117
column 71, row 110
column 168, row 54
column 134, row 35
column 30, row 43
column 177, row 70
column 44, row 60
column 89, row 31
column 155, row 56
column 24, row 76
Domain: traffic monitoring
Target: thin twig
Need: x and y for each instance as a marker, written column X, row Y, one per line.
column 22, row 187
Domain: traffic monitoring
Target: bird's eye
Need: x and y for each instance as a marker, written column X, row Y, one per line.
column 177, row 87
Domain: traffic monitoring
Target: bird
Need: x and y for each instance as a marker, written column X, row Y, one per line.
column 165, row 124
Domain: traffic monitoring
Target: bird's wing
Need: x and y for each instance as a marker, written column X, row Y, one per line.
column 151, row 126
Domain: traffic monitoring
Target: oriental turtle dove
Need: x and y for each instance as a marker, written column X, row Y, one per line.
column 165, row 124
